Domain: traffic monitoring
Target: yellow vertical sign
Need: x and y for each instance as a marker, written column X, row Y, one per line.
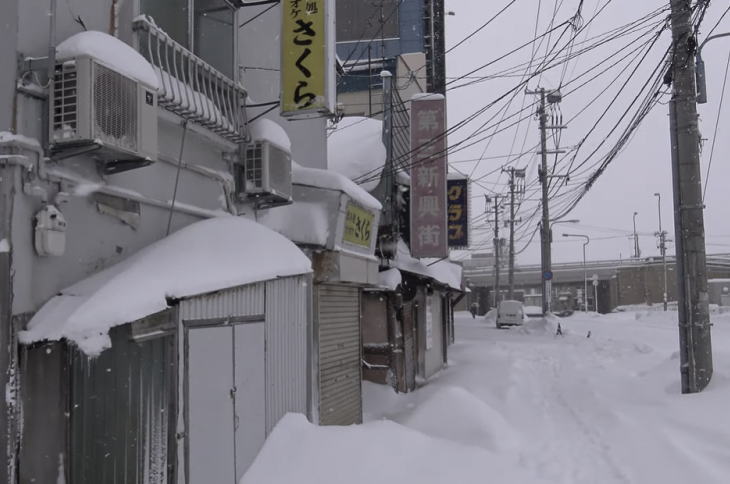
column 358, row 225
column 303, row 57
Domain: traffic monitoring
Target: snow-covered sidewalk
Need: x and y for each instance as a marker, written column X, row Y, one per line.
column 524, row 406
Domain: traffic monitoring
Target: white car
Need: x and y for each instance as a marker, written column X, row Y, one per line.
column 510, row 313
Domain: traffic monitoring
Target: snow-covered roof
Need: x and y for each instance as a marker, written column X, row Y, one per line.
column 389, row 279
column 303, row 222
column 268, row 130
column 427, row 96
column 332, row 180
column 206, row 256
column 443, row 271
column 355, row 149
column 112, row 52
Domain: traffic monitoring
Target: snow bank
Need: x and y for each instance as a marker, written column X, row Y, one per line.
column 302, row 453
column 355, row 149
column 455, row 414
column 543, row 325
column 203, row 257
column 331, row 180
column 112, row 52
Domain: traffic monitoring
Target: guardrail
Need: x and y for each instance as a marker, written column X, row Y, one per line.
column 190, row 87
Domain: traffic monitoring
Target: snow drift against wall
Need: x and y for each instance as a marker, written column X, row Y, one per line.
column 206, row 256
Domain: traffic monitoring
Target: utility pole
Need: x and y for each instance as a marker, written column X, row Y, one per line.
column 390, row 205
column 513, row 190
column 496, row 248
column 662, row 234
column 546, row 97
column 637, row 251
column 695, row 348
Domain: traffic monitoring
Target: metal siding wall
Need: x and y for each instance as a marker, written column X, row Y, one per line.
column 340, row 355
column 239, row 301
column 286, row 348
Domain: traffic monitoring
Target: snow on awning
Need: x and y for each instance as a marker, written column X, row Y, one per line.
column 112, row 52
column 390, row 279
column 207, row 256
column 442, row 271
column 331, row 180
column 355, row 149
column 306, row 223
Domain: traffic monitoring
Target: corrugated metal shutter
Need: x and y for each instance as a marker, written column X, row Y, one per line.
column 287, row 365
column 338, row 312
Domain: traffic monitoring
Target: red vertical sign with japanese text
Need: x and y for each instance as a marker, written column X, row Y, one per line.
column 429, row 228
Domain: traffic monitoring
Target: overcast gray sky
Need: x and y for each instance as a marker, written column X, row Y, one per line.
column 640, row 170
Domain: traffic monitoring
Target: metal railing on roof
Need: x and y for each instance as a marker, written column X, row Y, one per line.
column 190, row 87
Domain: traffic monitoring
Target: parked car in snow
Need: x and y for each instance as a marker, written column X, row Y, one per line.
column 510, row 313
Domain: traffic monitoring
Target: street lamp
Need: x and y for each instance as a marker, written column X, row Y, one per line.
column 555, row 222
column 662, row 246
column 637, row 253
column 585, row 278
column 700, row 70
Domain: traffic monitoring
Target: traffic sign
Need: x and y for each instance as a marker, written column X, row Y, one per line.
column 547, row 275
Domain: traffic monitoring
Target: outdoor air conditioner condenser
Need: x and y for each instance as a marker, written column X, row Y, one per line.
column 96, row 110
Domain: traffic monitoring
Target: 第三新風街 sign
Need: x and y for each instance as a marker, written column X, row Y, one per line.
column 429, row 229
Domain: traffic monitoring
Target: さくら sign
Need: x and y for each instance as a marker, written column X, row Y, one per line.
column 304, row 56
column 358, row 226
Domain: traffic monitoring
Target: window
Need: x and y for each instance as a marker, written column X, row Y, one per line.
column 359, row 20
column 212, row 35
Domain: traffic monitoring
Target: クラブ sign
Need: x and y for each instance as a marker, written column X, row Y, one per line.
column 458, row 200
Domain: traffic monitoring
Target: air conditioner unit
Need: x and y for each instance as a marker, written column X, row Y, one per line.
column 98, row 111
column 265, row 174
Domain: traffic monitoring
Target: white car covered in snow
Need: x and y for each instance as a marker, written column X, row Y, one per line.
column 510, row 313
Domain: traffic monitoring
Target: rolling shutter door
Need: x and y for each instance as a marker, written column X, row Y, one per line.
column 339, row 355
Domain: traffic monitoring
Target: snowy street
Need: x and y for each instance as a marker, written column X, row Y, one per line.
column 525, row 406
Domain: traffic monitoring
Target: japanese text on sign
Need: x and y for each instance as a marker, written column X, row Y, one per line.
column 303, row 59
column 458, row 196
column 429, row 228
column 358, row 225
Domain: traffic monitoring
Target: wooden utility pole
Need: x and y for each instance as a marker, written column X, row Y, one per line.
column 695, row 346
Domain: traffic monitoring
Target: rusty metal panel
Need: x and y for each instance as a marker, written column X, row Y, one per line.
column 238, row 301
column 287, row 347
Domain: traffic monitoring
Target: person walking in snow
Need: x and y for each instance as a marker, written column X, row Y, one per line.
column 473, row 309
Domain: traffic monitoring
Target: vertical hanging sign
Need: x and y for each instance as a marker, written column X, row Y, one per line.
column 429, row 228
column 458, row 194
column 304, row 57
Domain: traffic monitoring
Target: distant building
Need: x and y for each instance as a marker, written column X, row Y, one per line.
column 618, row 283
